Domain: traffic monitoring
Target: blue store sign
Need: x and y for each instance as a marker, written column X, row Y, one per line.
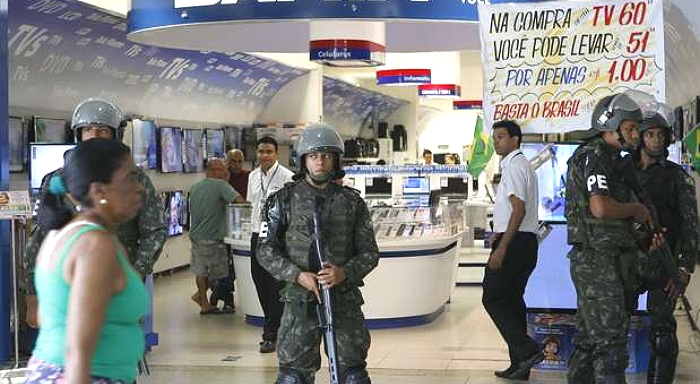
column 158, row 13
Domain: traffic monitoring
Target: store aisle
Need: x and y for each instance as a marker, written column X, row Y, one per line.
column 462, row 346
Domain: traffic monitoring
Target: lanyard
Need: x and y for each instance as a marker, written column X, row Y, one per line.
column 263, row 188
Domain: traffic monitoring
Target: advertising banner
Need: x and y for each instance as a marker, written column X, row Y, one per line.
column 14, row 203
column 547, row 64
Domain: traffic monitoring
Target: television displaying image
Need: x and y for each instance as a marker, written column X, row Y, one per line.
column 50, row 130
column 170, row 142
column 45, row 158
column 192, row 153
column 17, row 144
column 413, row 185
column 551, row 179
column 143, row 144
column 215, row 143
column 185, row 213
column 174, row 213
column 232, row 138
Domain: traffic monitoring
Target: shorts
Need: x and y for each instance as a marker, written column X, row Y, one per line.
column 209, row 259
column 40, row 372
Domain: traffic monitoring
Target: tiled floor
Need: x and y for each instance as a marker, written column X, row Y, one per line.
column 461, row 346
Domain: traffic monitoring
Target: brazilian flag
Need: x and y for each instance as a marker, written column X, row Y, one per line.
column 691, row 141
column 481, row 149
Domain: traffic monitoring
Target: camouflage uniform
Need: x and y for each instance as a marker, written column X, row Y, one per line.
column 672, row 192
column 598, row 245
column 284, row 249
column 143, row 236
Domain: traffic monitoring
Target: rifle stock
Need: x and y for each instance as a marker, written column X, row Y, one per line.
column 325, row 306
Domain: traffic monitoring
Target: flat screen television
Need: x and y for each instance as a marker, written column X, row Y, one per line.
column 214, row 142
column 455, row 186
column 377, row 186
column 232, row 137
column 551, row 179
column 47, row 130
column 416, row 185
column 17, row 143
column 174, row 213
column 45, row 158
column 185, row 213
column 192, row 150
column 143, row 144
column 170, row 151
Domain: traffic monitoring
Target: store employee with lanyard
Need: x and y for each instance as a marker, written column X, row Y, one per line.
column 265, row 180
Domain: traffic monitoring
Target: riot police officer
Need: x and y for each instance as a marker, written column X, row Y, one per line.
column 672, row 193
column 284, row 249
column 143, row 236
column 600, row 214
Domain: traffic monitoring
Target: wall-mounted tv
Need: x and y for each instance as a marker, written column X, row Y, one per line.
column 214, row 142
column 174, row 213
column 143, row 144
column 192, row 150
column 45, row 158
column 17, row 144
column 47, row 130
column 170, row 149
column 232, row 138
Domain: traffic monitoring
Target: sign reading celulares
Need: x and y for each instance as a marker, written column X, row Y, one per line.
column 546, row 65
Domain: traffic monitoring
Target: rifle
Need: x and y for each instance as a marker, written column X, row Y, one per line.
column 325, row 306
column 669, row 263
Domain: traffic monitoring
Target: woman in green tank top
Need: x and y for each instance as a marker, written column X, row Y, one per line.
column 90, row 297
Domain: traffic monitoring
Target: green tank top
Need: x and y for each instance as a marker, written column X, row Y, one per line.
column 121, row 343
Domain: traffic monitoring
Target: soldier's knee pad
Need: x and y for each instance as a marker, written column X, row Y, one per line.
column 290, row 376
column 356, row 376
column 664, row 344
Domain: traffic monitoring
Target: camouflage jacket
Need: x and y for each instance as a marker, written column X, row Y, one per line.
column 143, row 236
column 672, row 192
column 284, row 245
column 593, row 169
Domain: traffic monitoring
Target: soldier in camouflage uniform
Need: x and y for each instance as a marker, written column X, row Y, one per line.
column 600, row 214
column 143, row 237
column 672, row 193
column 285, row 251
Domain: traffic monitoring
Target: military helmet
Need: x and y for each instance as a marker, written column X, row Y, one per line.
column 98, row 112
column 612, row 110
column 320, row 138
column 660, row 117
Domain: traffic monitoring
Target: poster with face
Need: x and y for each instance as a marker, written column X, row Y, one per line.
column 193, row 153
column 170, row 149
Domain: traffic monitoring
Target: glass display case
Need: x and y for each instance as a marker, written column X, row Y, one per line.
column 238, row 221
column 390, row 222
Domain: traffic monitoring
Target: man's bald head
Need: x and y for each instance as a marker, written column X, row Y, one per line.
column 235, row 160
column 216, row 169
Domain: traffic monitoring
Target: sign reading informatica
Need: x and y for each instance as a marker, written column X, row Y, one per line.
column 547, row 64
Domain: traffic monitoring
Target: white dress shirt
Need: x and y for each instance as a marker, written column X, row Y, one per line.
column 261, row 185
column 517, row 179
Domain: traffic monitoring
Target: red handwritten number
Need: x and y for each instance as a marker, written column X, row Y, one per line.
column 630, row 70
column 634, row 13
column 638, row 41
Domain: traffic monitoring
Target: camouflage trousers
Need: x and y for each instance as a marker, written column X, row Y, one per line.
column 299, row 338
column 600, row 354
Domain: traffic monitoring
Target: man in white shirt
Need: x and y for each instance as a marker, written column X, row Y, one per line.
column 514, row 251
column 265, row 180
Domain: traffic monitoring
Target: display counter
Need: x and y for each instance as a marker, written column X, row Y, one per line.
column 417, row 268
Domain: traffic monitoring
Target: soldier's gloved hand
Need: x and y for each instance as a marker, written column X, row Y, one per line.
column 308, row 281
column 331, row 275
column 642, row 215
